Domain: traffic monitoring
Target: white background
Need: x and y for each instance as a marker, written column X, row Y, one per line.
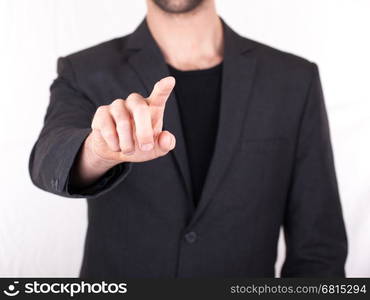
column 42, row 234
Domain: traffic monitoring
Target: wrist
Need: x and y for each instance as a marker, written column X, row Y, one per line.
column 89, row 166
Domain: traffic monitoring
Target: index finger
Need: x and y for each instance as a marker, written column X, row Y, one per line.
column 161, row 91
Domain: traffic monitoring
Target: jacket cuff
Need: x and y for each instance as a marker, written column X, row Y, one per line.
column 104, row 184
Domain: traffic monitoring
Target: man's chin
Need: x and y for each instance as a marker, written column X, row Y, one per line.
column 177, row 6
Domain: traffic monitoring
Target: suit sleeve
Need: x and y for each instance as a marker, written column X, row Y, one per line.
column 316, row 243
column 66, row 125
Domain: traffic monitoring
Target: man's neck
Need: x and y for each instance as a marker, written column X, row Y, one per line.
column 188, row 41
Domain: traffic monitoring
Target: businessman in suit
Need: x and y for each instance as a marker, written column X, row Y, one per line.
column 193, row 146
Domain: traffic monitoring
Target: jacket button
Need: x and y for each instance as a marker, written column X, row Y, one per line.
column 54, row 184
column 191, row 237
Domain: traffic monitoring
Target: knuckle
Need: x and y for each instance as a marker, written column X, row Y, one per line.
column 116, row 106
column 135, row 100
column 94, row 124
column 117, row 102
column 117, row 114
column 99, row 117
column 133, row 97
column 101, row 109
column 130, row 102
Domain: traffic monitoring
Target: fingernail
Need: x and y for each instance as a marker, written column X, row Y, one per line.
column 173, row 141
column 146, row 147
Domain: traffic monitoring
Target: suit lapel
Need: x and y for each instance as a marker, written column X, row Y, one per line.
column 237, row 79
column 149, row 65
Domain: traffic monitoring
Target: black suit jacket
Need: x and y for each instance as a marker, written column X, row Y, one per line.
column 272, row 167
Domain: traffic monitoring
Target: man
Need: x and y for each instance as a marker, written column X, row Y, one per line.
column 195, row 182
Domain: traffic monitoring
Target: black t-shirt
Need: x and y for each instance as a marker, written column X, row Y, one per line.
column 198, row 93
